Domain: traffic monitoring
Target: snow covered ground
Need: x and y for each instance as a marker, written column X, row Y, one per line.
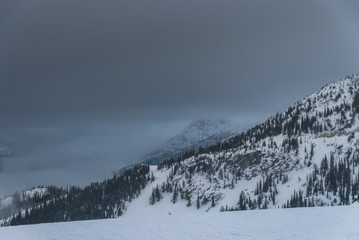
column 300, row 223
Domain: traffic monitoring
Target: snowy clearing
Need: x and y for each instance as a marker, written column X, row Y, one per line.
column 300, row 223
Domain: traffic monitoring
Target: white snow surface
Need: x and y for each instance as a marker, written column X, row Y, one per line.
column 299, row 223
column 40, row 191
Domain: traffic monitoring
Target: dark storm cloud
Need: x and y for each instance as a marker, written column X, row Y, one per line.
column 86, row 56
column 87, row 80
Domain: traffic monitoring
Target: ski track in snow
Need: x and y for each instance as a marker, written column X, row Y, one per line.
column 300, row 223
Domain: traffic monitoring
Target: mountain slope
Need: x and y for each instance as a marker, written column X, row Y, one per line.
column 306, row 156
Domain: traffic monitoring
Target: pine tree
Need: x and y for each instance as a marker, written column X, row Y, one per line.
column 213, row 202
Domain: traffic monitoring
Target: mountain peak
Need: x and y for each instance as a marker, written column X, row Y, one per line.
column 198, row 133
column 201, row 129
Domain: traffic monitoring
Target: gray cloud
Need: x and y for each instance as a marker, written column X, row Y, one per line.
column 70, row 69
column 84, row 57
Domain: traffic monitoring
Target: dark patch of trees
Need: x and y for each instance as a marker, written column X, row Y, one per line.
column 98, row 200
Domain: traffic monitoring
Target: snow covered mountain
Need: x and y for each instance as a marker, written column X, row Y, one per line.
column 199, row 133
column 304, row 157
column 23, row 200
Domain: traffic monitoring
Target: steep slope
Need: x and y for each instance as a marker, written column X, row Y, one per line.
column 199, row 133
column 306, row 156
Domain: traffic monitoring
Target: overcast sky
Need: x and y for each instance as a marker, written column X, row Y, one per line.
column 87, row 87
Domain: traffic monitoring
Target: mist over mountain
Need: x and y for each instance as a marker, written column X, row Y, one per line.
column 182, row 119
column 199, row 133
column 306, row 156
column 87, row 89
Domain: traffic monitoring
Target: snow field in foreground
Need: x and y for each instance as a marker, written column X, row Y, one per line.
column 300, row 223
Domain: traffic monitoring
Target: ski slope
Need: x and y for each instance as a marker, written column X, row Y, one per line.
column 299, row 223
